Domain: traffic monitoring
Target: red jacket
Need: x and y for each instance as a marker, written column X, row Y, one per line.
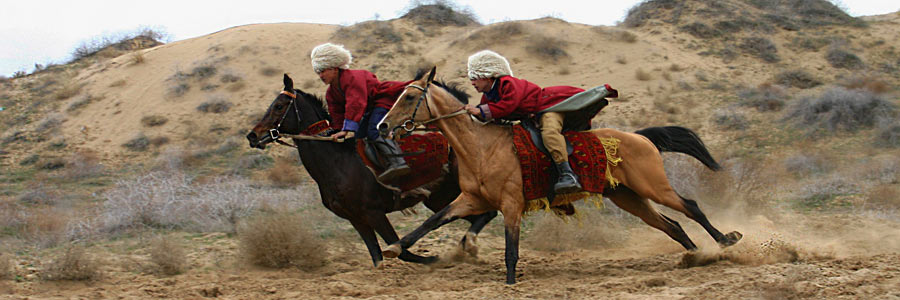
column 514, row 98
column 358, row 92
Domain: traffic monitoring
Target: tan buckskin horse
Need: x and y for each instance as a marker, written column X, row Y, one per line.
column 491, row 178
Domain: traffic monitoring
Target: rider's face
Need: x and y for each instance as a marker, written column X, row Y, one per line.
column 328, row 75
column 482, row 85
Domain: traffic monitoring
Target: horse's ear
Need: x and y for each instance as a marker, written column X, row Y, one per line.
column 288, row 83
column 431, row 74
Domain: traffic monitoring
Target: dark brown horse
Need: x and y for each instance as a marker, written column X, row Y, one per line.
column 491, row 177
column 348, row 188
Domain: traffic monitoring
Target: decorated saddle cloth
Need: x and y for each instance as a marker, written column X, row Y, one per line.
column 590, row 159
column 426, row 155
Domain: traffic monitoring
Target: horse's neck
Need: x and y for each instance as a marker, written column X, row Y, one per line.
column 474, row 143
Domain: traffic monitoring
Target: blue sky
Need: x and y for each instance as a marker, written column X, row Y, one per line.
column 39, row 31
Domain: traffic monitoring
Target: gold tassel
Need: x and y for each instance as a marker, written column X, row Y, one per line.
column 611, row 147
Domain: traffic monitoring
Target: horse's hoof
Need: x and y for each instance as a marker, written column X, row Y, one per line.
column 731, row 238
column 470, row 247
column 392, row 251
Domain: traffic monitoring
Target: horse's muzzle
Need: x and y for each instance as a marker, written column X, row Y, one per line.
column 255, row 142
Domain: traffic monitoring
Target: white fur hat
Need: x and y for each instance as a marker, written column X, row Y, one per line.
column 328, row 55
column 488, row 64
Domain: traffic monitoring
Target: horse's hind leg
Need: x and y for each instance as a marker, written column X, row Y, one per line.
column 656, row 187
column 386, row 231
column 626, row 199
column 478, row 222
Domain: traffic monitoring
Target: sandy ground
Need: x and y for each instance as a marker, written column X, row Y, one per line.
column 818, row 257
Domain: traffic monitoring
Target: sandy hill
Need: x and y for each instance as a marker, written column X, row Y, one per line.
column 797, row 99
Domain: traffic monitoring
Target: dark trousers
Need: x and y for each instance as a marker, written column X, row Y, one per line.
column 368, row 126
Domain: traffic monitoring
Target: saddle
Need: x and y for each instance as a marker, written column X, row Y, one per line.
column 426, row 154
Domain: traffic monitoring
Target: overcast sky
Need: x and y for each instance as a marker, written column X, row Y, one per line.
column 40, row 31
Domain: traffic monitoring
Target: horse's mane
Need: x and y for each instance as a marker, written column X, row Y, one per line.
column 321, row 108
column 451, row 87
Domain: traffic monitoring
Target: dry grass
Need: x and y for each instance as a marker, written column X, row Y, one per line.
column 797, row 78
column 215, row 104
column 867, row 82
column 285, row 172
column 137, row 57
column 168, row 255
column 547, row 47
column 280, row 240
column 74, row 264
column 6, row 267
column 139, row 143
column 83, row 164
column 45, row 227
column 840, row 109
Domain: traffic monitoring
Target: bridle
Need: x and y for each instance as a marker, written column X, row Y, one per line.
column 411, row 124
column 307, row 134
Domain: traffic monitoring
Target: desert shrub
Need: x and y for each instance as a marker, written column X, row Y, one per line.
column 765, row 97
column 204, row 71
column 153, row 120
column 80, row 103
column 797, row 78
column 74, row 264
column 804, row 164
column 840, row 58
column 49, row 123
column 140, row 38
column 230, row 78
column 883, row 197
column 889, row 136
column 179, row 89
column 624, row 36
column 840, row 109
column 67, row 91
column 172, row 200
column 760, row 47
column 822, row 194
column 83, row 164
column 621, row 59
column 730, row 120
column 498, row 33
column 269, row 71
column 439, row 12
column 137, row 57
column 138, row 144
column 642, row 75
column 214, row 105
column 639, row 14
column 252, row 161
column 700, row 30
column 547, row 47
column 676, row 68
column 169, row 256
column 28, row 160
column 280, row 240
column 285, row 173
column 45, row 227
column 52, row 163
column 39, row 194
column 868, row 82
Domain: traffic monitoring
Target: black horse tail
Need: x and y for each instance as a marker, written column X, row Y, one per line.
column 682, row 140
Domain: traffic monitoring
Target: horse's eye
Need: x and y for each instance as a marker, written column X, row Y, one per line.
column 410, row 97
column 279, row 107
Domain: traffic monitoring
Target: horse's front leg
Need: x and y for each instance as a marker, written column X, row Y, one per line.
column 512, row 219
column 464, row 205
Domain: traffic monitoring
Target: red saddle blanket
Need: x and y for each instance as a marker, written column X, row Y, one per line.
column 588, row 160
column 427, row 166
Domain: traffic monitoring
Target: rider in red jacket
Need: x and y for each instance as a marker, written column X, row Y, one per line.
column 510, row 98
column 357, row 101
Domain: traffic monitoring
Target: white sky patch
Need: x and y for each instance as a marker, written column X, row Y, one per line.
column 42, row 32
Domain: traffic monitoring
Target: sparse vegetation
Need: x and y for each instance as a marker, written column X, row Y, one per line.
column 439, row 12
column 118, row 83
column 154, row 120
column 168, row 254
column 866, row 82
column 730, row 120
column 74, row 264
column 840, row 109
column 642, row 75
column 81, row 102
column 137, row 57
column 547, row 48
column 139, row 143
column 797, row 78
column 701, row 31
column 6, row 265
column 889, row 136
column 215, row 105
column 840, row 58
column 269, row 71
column 280, row 240
column 765, row 97
column 761, row 48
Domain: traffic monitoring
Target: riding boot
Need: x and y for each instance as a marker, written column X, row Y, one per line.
column 396, row 164
column 568, row 181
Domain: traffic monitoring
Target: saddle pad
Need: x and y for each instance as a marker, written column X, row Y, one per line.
column 426, row 166
column 588, row 160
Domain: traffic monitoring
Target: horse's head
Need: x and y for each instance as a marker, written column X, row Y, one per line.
column 291, row 112
column 415, row 105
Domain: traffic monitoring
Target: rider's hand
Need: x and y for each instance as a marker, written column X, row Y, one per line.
column 343, row 134
column 473, row 110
